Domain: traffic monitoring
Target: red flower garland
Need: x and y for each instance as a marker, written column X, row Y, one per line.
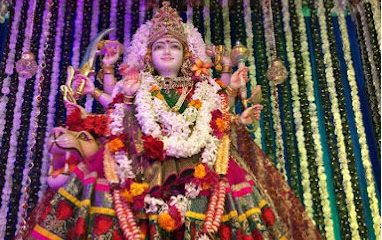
column 154, row 148
column 95, row 124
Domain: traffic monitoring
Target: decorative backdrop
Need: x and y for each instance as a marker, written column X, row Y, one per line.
column 321, row 127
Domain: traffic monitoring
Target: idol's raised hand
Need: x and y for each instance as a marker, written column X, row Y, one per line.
column 255, row 110
column 239, row 78
column 111, row 50
column 80, row 79
column 131, row 80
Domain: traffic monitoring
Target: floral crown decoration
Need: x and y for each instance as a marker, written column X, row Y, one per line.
column 165, row 22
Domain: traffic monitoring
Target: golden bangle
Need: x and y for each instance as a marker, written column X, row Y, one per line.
column 231, row 92
column 96, row 94
column 128, row 99
column 129, row 96
column 226, row 68
column 108, row 69
column 234, row 118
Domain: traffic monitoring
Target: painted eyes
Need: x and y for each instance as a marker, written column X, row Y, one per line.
column 161, row 47
column 83, row 136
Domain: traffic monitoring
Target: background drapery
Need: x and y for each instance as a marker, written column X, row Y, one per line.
column 321, row 127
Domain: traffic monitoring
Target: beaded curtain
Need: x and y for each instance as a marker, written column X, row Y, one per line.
column 321, row 127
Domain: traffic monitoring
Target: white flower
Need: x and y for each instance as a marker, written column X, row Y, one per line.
column 154, row 205
column 192, row 191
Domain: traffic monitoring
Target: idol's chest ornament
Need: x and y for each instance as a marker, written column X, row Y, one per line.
column 167, row 84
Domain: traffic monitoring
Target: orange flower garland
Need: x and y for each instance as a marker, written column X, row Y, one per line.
column 109, row 166
column 200, row 171
column 115, row 145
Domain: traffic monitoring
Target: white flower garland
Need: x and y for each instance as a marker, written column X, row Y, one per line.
column 52, row 95
column 10, row 65
column 93, row 32
column 7, row 189
column 116, row 119
column 77, row 34
column 113, row 20
column 294, row 85
column 360, row 127
column 207, row 22
column 337, row 123
column 251, row 58
column 142, row 12
column 227, row 27
column 122, row 163
column 17, row 115
column 127, row 30
column 180, row 140
column 305, row 176
column 322, row 185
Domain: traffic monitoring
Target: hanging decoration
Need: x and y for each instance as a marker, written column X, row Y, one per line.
column 337, row 123
column 360, row 127
column 276, row 74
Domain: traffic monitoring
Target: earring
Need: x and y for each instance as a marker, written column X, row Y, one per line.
column 185, row 69
column 149, row 68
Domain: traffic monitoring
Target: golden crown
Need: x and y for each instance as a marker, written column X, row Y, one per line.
column 166, row 21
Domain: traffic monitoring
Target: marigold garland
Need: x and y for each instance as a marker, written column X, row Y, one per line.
column 295, row 101
column 227, row 27
column 337, row 122
column 109, row 166
column 360, row 127
column 93, row 31
column 322, row 185
column 325, row 102
column 207, row 22
column 222, row 156
column 305, row 176
column 260, row 52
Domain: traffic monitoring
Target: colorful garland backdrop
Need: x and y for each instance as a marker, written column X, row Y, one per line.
column 321, row 127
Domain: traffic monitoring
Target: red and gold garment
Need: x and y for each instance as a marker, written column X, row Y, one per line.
column 259, row 203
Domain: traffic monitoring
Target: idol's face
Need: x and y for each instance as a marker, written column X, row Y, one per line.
column 167, row 56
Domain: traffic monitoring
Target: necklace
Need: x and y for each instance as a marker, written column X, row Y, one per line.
column 168, row 83
column 183, row 132
column 181, row 99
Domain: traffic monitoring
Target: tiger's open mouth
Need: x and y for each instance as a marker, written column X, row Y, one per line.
column 63, row 163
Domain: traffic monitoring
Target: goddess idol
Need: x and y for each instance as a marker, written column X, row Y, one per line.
column 169, row 159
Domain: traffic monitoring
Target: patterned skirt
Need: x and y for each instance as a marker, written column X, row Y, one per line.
column 259, row 204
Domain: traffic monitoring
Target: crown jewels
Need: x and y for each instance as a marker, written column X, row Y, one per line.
column 166, row 21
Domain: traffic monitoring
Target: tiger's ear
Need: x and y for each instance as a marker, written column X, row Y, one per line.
column 72, row 107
